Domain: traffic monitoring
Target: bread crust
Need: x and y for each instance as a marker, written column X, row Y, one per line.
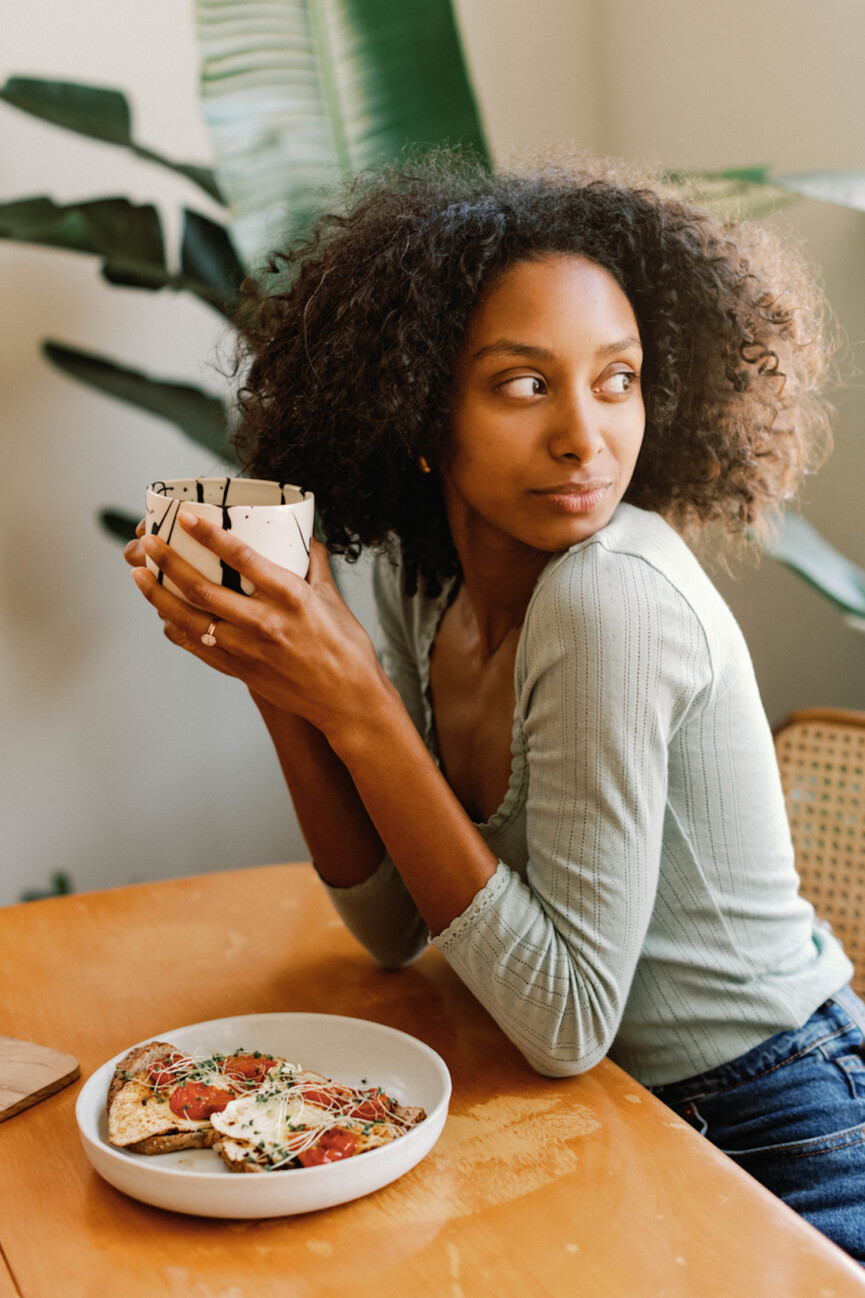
column 134, row 1063
column 234, row 1164
column 169, row 1142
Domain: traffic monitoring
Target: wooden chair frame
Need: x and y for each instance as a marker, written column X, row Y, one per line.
column 821, row 757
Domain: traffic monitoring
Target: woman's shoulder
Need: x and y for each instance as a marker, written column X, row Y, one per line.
column 633, row 579
column 634, row 535
column 636, row 546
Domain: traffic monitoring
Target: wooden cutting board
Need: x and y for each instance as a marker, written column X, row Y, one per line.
column 29, row 1072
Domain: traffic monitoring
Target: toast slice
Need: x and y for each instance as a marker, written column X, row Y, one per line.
column 259, row 1113
column 301, row 1119
column 140, row 1117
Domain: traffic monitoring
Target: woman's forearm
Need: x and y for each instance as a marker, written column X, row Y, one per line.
column 358, row 772
column 436, row 848
column 341, row 838
column 376, row 789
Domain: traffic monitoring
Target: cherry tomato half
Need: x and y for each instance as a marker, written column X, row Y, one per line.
column 196, row 1100
column 321, row 1098
column 373, row 1108
column 248, row 1067
column 159, row 1073
column 331, row 1146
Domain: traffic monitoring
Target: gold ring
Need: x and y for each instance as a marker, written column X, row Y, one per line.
column 209, row 638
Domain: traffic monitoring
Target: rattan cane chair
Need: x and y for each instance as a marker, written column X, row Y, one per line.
column 821, row 755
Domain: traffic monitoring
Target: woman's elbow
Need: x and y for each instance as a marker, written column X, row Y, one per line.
column 550, row 1062
column 392, row 951
column 561, row 1068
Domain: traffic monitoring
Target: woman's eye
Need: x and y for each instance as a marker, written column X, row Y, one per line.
column 525, row 385
column 619, row 383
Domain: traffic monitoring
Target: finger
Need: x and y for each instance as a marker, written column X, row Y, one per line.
column 210, row 654
column 197, row 589
column 134, row 554
column 132, row 551
column 190, row 622
column 267, row 577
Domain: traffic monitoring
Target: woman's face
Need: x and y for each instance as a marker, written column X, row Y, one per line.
column 548, row 413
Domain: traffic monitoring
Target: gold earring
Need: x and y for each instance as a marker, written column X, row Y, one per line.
column 423, row 466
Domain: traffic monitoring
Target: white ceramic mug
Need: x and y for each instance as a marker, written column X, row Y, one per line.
column 273, row 518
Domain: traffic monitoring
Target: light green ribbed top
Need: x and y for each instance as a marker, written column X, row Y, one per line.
column 646, row 903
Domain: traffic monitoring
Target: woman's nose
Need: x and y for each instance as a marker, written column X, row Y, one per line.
column 576, row 432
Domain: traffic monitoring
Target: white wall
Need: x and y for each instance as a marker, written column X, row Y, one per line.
column 121, row 758
column 743, row 83
column 779, row 82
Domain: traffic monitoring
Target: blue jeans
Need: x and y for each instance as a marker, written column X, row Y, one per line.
column 792, row 1113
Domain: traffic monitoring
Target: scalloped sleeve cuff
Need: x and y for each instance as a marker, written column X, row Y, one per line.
column 459, row 928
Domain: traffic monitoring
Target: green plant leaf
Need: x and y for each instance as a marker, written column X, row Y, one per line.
column 800, row 546
column 298, row 95
column 97, row 112
column 751, row 175
column 198, row 414
column 118, row 523
column 845, row 188
column 61, row 886
column 209, row 260
column 128, row 238
column 756, row 191
column 736, row 194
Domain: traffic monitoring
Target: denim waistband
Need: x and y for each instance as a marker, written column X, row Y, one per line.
column 839, row 1014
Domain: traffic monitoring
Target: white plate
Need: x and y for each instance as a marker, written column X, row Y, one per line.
column 347, row 1050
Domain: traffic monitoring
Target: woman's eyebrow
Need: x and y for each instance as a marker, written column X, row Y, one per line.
column 510, row 347
column 507, row 346
column 623, row 345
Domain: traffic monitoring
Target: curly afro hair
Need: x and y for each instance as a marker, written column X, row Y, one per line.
column 353, row 339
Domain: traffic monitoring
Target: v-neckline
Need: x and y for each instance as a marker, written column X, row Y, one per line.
column 440, row 606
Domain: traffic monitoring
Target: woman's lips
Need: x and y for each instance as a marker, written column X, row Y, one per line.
column 573, row 497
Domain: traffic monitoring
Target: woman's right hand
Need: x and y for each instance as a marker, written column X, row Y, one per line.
column 133, row 553
column 293, row 641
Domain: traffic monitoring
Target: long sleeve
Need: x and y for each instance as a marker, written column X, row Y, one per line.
column 646, row 901
column 609, row 658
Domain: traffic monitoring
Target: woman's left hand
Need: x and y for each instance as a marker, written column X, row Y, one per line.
column 295, row 643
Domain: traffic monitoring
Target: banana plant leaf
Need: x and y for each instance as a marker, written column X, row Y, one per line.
column 756, row 191
column 800, row 547
column 300, row 94
column 118, row 524
column 844, row 188
column 209, row 262
column 128, row 239
column 739, row 193
column 97, row 112
column 199, row 415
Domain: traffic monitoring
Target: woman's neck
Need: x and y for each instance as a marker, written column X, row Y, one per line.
column 498, row 578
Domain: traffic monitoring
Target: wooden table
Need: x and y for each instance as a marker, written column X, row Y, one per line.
column 536, row 1187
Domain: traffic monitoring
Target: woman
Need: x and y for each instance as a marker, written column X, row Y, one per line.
column 520, row 390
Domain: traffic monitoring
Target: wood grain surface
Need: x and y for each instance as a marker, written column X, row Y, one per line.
column 29, row 1073
column 8, row 1288
column 537, row 1187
